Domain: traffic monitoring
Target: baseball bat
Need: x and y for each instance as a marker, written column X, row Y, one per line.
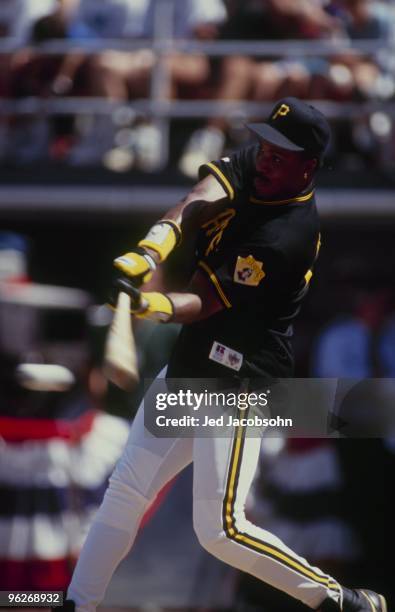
column 120, row 357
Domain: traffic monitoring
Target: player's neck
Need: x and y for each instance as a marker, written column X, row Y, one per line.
column 286, row 195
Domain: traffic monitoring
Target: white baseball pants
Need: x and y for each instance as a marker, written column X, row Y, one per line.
column 223, row 470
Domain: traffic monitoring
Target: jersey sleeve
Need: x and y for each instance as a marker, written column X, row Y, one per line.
column 232, row 172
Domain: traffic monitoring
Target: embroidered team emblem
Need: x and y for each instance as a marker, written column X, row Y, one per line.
column 281, row 111
column 248, row 271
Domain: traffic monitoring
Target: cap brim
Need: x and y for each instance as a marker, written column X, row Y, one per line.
column 270, row 134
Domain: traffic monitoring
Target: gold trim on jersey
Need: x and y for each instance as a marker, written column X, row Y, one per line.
column 229, row 521
column 302, row 198
column 374, row 609
column 309, row 274
column 223, row 179
column 216, row 283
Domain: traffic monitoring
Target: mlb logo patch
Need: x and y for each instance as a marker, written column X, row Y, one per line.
column 248, row 271
column 226, row 356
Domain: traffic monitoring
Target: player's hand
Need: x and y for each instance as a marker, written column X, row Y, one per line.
column 145, row 305
column 155, row 307
column 136, row 265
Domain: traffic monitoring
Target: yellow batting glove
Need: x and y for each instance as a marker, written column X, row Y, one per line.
column 136, row 265
column 162, row 238
column 155, row 306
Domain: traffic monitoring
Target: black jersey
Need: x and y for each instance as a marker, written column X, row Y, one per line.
column 258, row 257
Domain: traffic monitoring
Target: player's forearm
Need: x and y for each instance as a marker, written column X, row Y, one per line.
column 187, row 215
column 188, row 210
column 201, row 203
column 188, row 307
column 181, row 308
column 192, row 307
column 167, row 307
column 205, row 200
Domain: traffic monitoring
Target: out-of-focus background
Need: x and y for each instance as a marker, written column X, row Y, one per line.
column 107, row 109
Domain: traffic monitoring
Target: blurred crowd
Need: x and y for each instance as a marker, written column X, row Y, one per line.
column 125, row 138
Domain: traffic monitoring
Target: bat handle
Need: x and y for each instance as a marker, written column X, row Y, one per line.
column 126, row 286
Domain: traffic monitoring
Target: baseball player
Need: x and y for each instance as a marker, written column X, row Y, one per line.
column 256, row 227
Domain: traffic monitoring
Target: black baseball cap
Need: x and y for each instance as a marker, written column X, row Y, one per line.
column 296, row 126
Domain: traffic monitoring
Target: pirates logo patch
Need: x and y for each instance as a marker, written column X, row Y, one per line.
column 248, row 271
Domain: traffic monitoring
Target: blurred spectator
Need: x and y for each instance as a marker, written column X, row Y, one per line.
column 36, row 74
column 18, row 16
column 359, row 74
column 31, row 74
column 16, row 21
column 242, row 77
column 57, row 447
column 110, row 19
column 368, row 19
column 125, row 74
column 189, row 19
column 347, row 76
column 116, row 75
column 361, row 344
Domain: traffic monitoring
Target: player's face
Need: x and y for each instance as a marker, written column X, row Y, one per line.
column 279, row 173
